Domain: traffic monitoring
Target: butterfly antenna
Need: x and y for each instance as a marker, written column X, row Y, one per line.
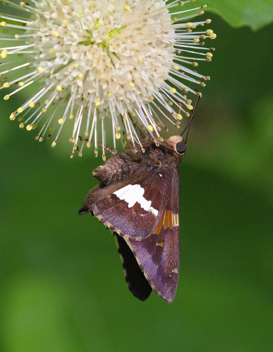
column 136, row 127
column 187, row 128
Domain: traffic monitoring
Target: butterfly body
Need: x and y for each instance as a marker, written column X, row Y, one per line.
column 138, row 199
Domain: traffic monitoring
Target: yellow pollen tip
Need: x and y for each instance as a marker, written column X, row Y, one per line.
column 3, row 24
column 179, row 117
column 21, row 84
column 196, row 40
column 53, row 144
column 101, row 76
column 80, row 12
column 173, row 90
column 80, row 75
column 22, row 125
column 209, row 31
column 126, row 7
column 19, row 110
column 31, row 104
column 64, row 21
column 56, row 34
column 44, row 110
column 170, row 102
column 117, row 135
column 70, row 116
column 29, row 127
column 209, row 55
column 59, row 88
column 189, row 25
column 176, row 68
column 40, row 69
column 16, row 36
column 208, row 21
column 12, row 116
column 139, row 59
column 60, row 121
column 118, row 128
column 150, row 128
column 6, row 97
column 97, row 103
column 109, row 94
column 22, row 4
column 213, row 36
column 190, row 107
column 6, row 85
column 4, row 54
column 131, row 84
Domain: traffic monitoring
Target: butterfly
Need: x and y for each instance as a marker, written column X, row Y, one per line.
column 138, row 200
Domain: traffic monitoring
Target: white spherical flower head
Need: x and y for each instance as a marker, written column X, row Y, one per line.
column 102, row 60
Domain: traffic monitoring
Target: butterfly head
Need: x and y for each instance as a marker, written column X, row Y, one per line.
column 177, row 144
column 167, row 153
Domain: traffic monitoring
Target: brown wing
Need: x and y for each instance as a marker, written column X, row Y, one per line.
column 158, row 254
column 132, row 209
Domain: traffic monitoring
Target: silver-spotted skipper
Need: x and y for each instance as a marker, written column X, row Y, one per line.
column 138, row 199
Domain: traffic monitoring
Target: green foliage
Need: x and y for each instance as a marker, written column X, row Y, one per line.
column 255, row 13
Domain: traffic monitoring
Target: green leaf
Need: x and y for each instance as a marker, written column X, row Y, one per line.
column 255, row 13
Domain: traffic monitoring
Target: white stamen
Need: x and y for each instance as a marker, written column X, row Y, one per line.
column 103, row 59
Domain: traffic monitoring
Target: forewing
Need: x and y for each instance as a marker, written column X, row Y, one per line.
column 133, row 209
column 158, row 254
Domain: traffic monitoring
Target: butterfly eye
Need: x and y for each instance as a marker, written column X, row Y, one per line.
column 180, row 148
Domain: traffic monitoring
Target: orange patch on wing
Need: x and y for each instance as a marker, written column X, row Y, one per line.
column 168, row 220
column 159, row 226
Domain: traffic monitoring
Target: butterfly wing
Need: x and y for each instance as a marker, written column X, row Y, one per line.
column 130, row 209
column 157, row 255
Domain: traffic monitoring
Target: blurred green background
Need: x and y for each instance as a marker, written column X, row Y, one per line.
column 62, row 285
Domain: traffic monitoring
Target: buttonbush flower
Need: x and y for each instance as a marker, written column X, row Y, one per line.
column 119, row 66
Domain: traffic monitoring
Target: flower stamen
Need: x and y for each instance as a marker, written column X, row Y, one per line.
column 100, row 60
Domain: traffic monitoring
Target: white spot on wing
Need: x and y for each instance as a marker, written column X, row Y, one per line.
column 133, row 194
